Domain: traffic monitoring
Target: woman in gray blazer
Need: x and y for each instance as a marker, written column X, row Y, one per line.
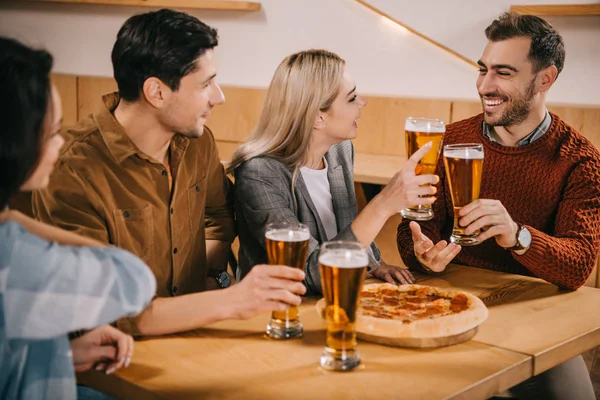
column 297, row 166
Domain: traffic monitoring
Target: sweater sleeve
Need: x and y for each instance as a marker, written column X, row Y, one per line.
column 432, row 229
column 567, row 257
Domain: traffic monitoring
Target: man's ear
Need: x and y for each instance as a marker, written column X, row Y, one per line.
column 156, row 92
column 546, row 78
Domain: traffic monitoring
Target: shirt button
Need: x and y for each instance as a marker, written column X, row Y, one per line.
column 175, row 289
column 164, row 172
column 197, row 188
column 127, row 214
column 175, row 250
column 172, row 210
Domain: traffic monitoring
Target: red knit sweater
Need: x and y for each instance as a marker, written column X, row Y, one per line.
column 552, row 186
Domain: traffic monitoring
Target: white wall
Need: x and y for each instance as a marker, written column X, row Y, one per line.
column 384, row 59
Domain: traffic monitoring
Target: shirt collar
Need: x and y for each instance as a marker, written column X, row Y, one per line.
column 538, row 132
column 118, row 143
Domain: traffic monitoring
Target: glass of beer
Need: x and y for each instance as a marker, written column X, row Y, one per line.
column 343, row 267
column 464, row 166
column 286, row 244
column 420, row 131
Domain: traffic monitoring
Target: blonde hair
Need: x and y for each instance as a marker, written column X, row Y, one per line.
column 304, row 84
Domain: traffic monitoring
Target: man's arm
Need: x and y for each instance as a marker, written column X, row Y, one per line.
column 265, row 288
column 219, row 220
column 217, row 252
column 567, row 257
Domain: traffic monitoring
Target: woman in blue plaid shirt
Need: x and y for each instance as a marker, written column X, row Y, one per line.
column 51, row 281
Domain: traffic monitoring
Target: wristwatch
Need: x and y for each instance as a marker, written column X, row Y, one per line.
column 221, row 276
column 523, row 239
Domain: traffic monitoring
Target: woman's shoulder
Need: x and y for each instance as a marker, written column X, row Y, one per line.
column 261, row 166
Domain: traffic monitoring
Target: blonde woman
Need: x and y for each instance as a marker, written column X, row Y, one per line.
column 297, row 166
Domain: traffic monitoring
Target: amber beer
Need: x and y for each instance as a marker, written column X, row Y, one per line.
column 464, row 167
column 286, row 244
column 420, row 131
column 343, row 267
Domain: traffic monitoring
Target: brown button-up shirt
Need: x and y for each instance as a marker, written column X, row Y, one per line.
column 104, row 187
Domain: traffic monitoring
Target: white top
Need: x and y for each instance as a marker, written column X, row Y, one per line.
column 320, row 193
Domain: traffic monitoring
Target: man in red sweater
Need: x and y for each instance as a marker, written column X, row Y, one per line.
column 539, row 206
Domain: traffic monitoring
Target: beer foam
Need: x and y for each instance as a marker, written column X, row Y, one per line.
column 344, row 258
column 288, row 235
column 424, row 126
column 464, row 153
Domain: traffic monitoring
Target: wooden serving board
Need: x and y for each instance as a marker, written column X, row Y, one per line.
column 428, row 342
column 420, row 342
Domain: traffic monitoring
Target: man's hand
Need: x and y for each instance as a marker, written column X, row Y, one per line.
column 267, row 288
column 492, row 219
column 104, row 348
column 392, row 274
column 435, row 258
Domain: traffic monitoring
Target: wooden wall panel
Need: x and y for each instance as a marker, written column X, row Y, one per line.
column 464, row 109
column 67, row 87
column 90, row 91
column 585, row 119
column 381, row 125
column 234, row 120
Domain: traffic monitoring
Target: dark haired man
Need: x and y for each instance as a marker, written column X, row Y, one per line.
column 144, row 174
column 540, row 189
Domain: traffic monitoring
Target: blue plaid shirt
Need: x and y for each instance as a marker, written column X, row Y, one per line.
column 48, row 290
column 488, row 132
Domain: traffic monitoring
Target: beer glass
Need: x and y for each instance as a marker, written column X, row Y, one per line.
column 464, row 166
column 418, row 132
column 343, row 267
column 286, row 244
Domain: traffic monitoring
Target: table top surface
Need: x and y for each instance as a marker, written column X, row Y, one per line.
column 532, row 324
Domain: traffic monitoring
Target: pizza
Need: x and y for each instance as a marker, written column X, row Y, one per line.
column 417, row 311
column 416, row 315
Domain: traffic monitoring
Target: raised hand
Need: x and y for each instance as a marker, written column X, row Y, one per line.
column 433, row 257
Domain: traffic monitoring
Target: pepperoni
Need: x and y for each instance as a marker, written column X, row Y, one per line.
column 391, row 301
column 410, row 307
column 459, row 299
column 417, row 300
column 389, row 292
column 456, row 308
column 381, row 315
column 367, row 294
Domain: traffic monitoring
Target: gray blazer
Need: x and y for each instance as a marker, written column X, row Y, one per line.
column 263, row 194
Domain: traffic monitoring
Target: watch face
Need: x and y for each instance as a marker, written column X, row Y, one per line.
column 525, row 237
column 224, row 279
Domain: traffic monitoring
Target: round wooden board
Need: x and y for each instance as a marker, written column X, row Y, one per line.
column 409, row 342
column 420, row 342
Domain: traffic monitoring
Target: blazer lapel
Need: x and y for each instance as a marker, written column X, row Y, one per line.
column 341, row 195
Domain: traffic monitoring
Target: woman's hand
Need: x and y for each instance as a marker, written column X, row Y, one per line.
column 392, row 274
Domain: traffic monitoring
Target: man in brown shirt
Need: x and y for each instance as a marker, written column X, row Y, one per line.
column 143, row 173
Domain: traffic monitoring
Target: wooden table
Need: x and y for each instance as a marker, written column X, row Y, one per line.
column 368, row 168
column 532, row 326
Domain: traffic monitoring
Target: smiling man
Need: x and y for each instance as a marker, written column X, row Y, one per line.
column 143, row 173
column 539, row 207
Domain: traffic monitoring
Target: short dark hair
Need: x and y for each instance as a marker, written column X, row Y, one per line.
column 26, row 86
column 164, row 44
column 547, row 46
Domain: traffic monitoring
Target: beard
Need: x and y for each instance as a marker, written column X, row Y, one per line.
column 517, row 110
